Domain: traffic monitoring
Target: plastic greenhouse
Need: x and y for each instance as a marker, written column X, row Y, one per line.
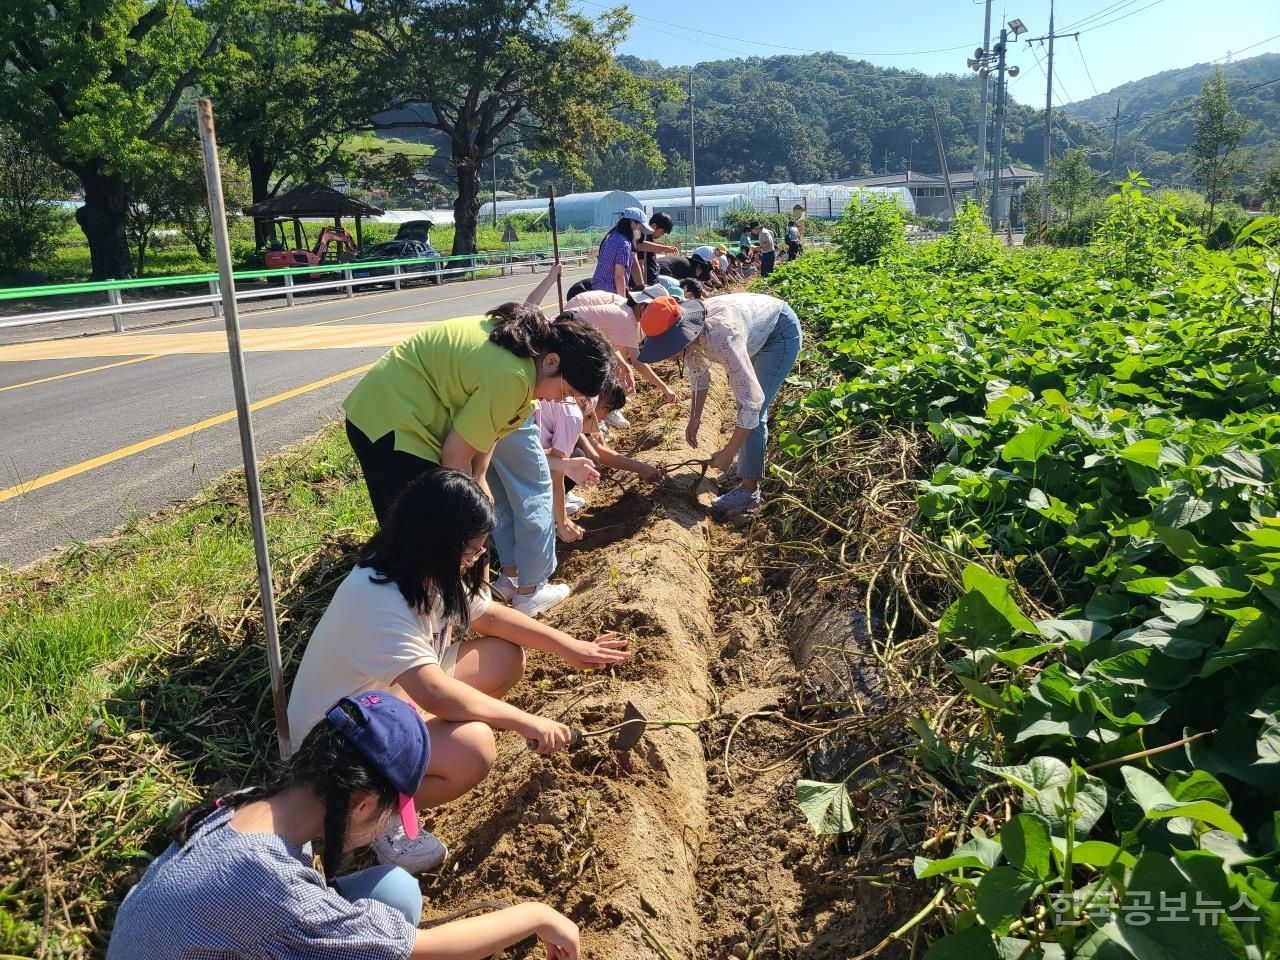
column 576, row 211
column 711, row 207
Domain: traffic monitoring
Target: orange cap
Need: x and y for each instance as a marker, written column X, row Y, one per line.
column 660, row 316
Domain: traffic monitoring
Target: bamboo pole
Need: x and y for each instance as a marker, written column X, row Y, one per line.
column 555, row 245
column 231, row 317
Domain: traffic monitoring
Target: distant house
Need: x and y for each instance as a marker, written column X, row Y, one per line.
column 930, row 190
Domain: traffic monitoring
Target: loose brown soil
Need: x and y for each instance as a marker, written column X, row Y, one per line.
column 691, row 846
column 680, row 849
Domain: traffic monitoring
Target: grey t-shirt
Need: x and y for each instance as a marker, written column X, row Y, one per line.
column 225, row 895
column 766, row 241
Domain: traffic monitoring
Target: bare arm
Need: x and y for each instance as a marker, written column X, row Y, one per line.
column 539, row 293
column 609, row 458
column 459, row 454
column 620, row 280
column 441, row 695
column 474, row 938
column 648, row 246
column 515, row 627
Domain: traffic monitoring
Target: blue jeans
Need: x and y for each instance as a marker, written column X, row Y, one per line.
column 524, row 530
column 393, row 886
column 772, row 363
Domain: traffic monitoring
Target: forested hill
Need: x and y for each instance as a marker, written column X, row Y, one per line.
column 823, row 116
column 1177, row 88
column 1164, row 99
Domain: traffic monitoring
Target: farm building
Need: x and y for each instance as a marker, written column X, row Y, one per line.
column 574, row 211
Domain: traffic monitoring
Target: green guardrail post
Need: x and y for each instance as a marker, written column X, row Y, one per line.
column 117, row 320
column 217, row 305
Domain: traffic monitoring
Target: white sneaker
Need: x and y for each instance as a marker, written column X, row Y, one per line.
column 616, row 419
column 573, row 504
column 505, row 587
column 541, row 600
column 423, row 853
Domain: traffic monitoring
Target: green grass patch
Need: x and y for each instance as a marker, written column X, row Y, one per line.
column 133, row 675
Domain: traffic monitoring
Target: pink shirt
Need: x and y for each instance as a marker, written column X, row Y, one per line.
column 560, row 425
column 609, row 314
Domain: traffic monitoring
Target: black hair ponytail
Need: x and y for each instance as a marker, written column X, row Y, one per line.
column 328, row 765
column 337, row 811
column 585, row 355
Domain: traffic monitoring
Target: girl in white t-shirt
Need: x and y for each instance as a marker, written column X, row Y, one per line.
column 391, row 624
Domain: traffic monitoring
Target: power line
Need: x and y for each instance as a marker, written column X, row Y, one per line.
column 1182, row 109
column 1099, row 14
column 1099, row 26
column 780, row 46
column 1087, row 73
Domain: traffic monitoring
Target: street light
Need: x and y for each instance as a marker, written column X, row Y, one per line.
column 985, row 63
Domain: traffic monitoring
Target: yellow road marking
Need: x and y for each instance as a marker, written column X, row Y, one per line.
column 256, row 340
column 77, row 373
column 213, row 341
column 87, row 465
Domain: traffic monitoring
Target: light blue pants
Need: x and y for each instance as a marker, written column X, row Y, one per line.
column 395, row 887
column 524, row 529
column 772, row 363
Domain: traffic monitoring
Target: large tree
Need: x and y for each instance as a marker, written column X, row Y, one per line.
column 526, row 71
column 287, row 91
column 1218, row 132
column 94, row 84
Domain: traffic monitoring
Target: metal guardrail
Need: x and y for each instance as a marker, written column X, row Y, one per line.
column 117, row 309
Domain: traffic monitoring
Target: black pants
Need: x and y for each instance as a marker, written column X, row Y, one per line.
column 582, row 286
column 793, row 250
column 387, row 471
column 767, row 261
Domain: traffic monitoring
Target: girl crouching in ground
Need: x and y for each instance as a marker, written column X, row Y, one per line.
column 237, row 881
column 391, row 625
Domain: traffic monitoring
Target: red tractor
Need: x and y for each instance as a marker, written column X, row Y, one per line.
column 278, row 255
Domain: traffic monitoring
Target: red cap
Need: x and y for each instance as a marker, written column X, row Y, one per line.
column 660, row 316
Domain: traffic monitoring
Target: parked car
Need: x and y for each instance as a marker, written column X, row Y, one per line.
column 399, row 250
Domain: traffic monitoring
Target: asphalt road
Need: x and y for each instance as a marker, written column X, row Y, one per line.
column 96, row 430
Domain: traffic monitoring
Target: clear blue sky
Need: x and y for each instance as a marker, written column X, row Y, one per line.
column 1120, row 40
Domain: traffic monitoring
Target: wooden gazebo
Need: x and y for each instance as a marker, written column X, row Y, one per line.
column 313, row 200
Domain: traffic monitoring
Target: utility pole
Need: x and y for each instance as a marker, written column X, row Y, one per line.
column 998, row 155
column 980, row 170
column 1048, row 112
column 1048, row 126
column 1115, row 142
column 693, row 166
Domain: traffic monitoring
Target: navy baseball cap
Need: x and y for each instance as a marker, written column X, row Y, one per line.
column 392, row 737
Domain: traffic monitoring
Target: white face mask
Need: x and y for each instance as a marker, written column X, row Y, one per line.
column 635, row 233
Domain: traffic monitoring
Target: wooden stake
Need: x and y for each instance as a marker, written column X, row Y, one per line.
column 555, row 245
column 231, row 317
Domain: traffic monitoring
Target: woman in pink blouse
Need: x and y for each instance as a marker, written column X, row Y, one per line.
column 756, row 338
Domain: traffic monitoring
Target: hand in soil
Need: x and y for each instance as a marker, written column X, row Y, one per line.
column 668, row 396
column 545, row 736
column 581, row 471
column 649, row 473
column 559, row 935
column 605, row 650
column 721, row 460
column 569, row 531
